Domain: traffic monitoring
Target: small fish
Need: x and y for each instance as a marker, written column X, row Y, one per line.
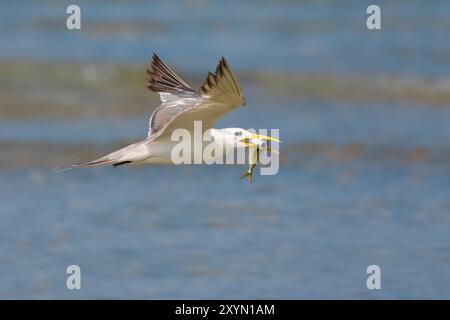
column 254, row 154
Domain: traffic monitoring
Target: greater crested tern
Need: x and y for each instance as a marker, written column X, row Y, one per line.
column 180, row 107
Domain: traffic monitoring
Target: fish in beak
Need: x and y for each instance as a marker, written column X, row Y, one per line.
column 254, row 158
column 257, row 143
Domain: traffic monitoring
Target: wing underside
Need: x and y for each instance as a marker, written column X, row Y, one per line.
column 181, row 105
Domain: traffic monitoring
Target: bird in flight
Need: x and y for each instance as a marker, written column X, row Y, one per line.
column 181, row 106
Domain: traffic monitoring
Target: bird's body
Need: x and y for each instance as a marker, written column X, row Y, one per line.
column 183, row 108
column 160, row 150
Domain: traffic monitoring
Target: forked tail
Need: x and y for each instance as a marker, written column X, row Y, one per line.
column 94, row 163
column 132, row 153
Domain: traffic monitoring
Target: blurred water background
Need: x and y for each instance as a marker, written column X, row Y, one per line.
column 364, row 176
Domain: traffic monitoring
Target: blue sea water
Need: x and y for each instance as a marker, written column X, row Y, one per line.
column 306, row 36
column 194, row 232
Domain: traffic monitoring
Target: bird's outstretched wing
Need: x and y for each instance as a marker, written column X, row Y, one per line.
column 181, row 105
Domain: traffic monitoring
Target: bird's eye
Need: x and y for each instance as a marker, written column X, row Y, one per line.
column 237, row 133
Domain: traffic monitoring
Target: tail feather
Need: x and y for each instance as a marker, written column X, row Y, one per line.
column 131, row 153
column 98, row 162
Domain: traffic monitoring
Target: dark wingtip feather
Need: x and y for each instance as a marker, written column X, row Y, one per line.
column 222, row 82
column 163, row 79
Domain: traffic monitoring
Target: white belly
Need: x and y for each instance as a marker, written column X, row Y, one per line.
column 159, row 153
column 163, row 152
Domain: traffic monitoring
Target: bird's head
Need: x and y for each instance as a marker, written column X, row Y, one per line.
column 242, row 137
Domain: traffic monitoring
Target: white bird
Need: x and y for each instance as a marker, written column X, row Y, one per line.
column 180, row 107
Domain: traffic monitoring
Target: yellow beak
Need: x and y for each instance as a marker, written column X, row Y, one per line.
column 267, row 138
column 248, row 141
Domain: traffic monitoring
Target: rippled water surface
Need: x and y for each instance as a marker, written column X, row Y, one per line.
column 364, row 170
